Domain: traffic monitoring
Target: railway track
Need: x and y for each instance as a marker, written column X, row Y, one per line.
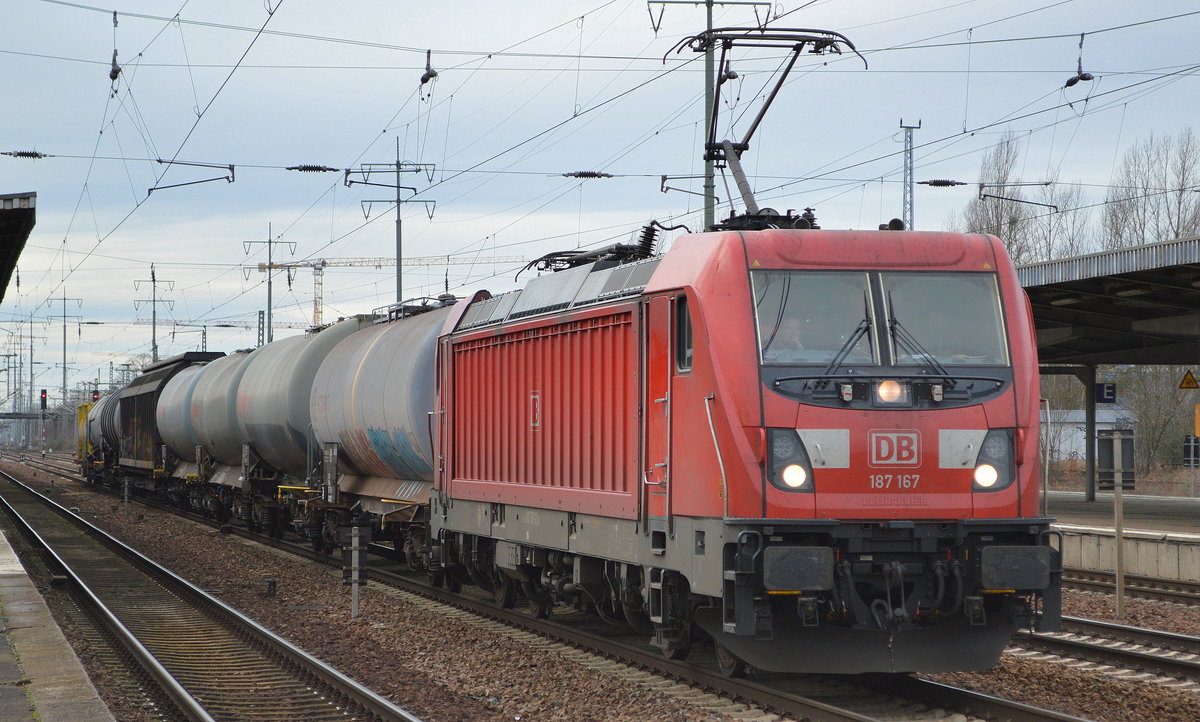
column 1174, row 658
column 1165, row 590
column 208, row 660
column 832, row 697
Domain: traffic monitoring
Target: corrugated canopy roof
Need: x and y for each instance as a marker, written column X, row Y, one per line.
column 18, row 213
column 1138, row 305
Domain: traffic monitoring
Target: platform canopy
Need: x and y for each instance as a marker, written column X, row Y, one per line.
column 18, row 213
column 1138, row 305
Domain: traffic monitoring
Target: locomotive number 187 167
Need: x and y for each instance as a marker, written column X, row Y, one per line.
column 898, row 481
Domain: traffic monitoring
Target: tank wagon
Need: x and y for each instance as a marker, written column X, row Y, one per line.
column 122, row 431
column 782, row 439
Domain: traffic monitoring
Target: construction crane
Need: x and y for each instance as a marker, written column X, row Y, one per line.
column 318, row 266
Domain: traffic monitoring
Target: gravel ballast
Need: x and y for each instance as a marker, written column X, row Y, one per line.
column 445, row 668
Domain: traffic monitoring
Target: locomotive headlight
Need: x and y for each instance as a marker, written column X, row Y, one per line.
column 788, row 466
column 995, row 467
column 891, row 392
column 794, row 476
column 986, row 476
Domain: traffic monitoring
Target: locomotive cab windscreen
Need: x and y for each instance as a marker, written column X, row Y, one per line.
column 882, row 339
column 901, row 319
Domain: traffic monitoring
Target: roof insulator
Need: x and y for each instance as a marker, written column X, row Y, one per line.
column 308, row 168
column 25, row 154
column 587, row 174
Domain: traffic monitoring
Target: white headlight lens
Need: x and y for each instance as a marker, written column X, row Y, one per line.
column 986, row 475
column 794, row 476
column 889, row 391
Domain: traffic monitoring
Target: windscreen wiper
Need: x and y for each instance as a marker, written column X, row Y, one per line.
column 906, row 341
column 859, row 331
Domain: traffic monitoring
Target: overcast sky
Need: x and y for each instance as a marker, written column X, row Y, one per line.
column 525, row 91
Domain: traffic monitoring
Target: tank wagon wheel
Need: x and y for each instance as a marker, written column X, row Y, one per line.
column 728, row 663
column 504, row 590
column 318, row 543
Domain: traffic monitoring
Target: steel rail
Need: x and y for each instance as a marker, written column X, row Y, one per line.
column 1158, row 652
column 367, row 699
column 184, row 702
column 1134, row 635
column 759, row 693
column 1169, row 590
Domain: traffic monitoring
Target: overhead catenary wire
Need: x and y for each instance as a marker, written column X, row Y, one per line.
column 499, row 172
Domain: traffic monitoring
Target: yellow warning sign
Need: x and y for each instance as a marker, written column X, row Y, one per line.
column 1189, row 381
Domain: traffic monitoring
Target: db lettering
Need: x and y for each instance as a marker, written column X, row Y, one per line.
column 895, row 448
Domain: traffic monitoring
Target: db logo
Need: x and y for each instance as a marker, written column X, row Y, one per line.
column 895, row 448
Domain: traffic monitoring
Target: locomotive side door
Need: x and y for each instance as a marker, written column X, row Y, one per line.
column 656, row 417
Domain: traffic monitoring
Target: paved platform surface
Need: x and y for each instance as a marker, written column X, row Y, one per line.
column 1174, row 515
column 41, row 679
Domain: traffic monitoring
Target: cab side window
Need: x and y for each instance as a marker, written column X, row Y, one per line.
column 683, row 335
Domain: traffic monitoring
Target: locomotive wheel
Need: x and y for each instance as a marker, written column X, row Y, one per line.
column 728, row 663
column 610, row 611
column 504, row 590
column 636, row 616
column 539, row 601
column 680, row 651
column 437, row 580
column 453, row 583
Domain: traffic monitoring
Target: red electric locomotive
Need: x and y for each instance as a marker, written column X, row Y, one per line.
column 817, row 447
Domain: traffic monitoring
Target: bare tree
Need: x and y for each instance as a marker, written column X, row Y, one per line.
column 1153, row 196
column 1162, row 413
column 1007, row 219
column 1030, row 227
column 1153, row 199
column 1066, row 231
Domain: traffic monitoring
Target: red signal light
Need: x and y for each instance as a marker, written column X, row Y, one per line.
column 43, row 399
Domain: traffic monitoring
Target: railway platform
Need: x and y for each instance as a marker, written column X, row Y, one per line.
column 41, row 679
column 1161, row 537
column 1175, row 515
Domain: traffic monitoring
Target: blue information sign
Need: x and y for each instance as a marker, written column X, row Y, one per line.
column 1106, row 393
